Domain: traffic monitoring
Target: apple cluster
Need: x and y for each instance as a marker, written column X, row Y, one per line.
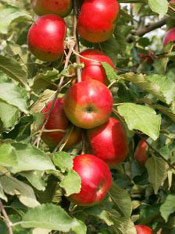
column 87, row 105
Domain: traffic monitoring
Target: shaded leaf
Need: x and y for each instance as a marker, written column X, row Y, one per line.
column 168, row 207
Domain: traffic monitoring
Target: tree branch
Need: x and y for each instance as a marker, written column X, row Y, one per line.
column 6, row 218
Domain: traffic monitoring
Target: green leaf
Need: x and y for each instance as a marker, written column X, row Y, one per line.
column 168, row 207
column 14, row 69
column 8, row 156
column 121, row 199
column 157, row 172
column 9, row 14
column 49, row 216
column 110, row 72
column 12, row 94
column 2, row 195
column 30, row 158
column 71, row 183
column 35, row 178
column 24, row 192
column 160, row 86
column 41, row 231
column 122, row 225
column 10, row 119
column 63, row 160
column 141, row 118
column 159, row 6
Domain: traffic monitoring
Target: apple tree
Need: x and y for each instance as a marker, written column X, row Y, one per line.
column 87, row 116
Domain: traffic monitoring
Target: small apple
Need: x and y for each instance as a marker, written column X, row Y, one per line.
column 140, row 153
column 94, row 70
column 88, row 104
column 143, row 229
column 58, row 120
column 96, row 21
column 170, row 36
column 95, row 177
column 109, row 142
column 44, row 7
column 46, row 38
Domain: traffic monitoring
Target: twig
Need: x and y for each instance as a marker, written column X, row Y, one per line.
column 75, row 35
column 6, row 218
column 38, row 139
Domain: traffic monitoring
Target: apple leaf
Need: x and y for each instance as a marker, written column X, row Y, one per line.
column 13, row 115
column 2, row 195
column 121, row 199
column 160, row 86
column 168, row 207
column 30, row 158
column 111, row 74
column 159, row 6
column 41, row 231
column 13, row 94
column 24, row 192
column 9, row 14
column 71, row 183
column 8, row 156
column 63, row 161
column 157, row 172
column 141, row 118
column 14, row 69
column 53, row 217
column 35, row 178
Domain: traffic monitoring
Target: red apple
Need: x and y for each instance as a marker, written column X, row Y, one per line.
column 95, row 180
column 170, row 36
column 88, row 104
column 58, row 120
column 94, row 70
column 142, row 229
column 148, row 56
column 97, row 18
column 46, row 37
column 140, row 153
column 43, row 7
column 109, row 142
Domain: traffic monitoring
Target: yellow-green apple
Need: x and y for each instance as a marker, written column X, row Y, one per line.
column 109, row 142
column 88, row 104
column 58, row 7
column 95, row 180
column 46, row 38
column 94, row 69
column 96, row 21
column 58, row 120
column 140, row 153
column 143, row 229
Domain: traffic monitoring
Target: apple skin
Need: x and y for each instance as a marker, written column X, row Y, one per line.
column 94, row 70
column 140, row 153
column 46, row 37
column 58, row 120
column 88, row 104
column 170, row 36
column 95, row 177
column 96, row 21
column 143, row 229
column 44, row 7
column 109, row 142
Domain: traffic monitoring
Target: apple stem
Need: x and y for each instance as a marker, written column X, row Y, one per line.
column 75, row 35
column 6, row 218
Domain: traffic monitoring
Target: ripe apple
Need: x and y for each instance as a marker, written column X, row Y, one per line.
column 140, row 153
column 96, row 21
column 58, row 120
column 95, row 177
column 94, row 70
column 143, row 229
column 170, row 36
column 88, row 104
column 46, row 37
column 43, row 7
column 109, row 142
